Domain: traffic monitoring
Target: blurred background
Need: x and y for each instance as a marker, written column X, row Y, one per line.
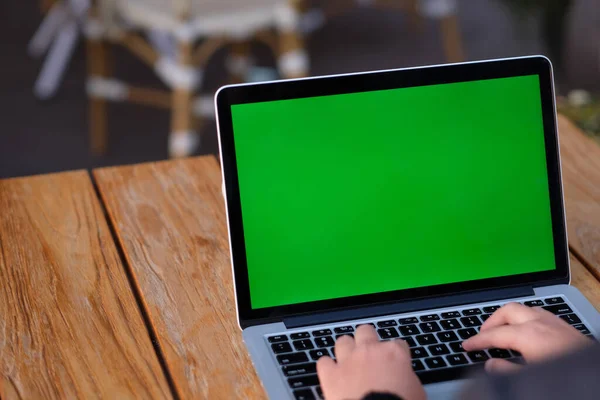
column 88, row 83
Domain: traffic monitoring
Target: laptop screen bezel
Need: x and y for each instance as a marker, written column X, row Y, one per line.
column 381, row 80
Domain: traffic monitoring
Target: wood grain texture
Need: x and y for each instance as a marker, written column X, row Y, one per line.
column 581, row 179
column 69, row 323
column 587, row 284
column 170, row 221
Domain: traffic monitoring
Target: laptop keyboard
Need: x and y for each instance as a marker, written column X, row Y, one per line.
column 435, row 341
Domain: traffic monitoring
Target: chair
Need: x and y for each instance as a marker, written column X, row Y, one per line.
column 212, row 24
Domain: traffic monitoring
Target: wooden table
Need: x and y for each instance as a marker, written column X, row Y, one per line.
column 69, row 322
column 125, row 290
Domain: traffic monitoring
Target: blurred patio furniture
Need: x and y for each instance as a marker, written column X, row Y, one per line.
column 177, row 37
column 57, row 36
column 196, row 29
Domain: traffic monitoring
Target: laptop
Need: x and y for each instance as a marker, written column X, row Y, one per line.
column 417, row 200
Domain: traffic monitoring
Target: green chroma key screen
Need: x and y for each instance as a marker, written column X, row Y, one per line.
column 378, row 191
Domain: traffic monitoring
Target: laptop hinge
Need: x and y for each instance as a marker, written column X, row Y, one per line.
column 408, row 306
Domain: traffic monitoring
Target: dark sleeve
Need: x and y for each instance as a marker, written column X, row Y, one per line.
column 574, row 376
column 381, row 396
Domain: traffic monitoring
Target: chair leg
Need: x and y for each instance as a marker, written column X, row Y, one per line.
column 292, row 58
column 55, row 18
column 183, row 139
column 98, row 66
column 56, row 62
column 453, row 46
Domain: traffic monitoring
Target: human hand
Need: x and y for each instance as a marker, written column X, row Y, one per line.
column 534, row 332
column 365, row 365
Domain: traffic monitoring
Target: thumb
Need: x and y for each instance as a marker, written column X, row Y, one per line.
column 500, row 366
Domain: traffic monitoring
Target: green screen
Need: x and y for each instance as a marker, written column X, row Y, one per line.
column 377, row 191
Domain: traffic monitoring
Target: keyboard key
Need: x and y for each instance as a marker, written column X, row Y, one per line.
column 558, row 309
column 470, row 321
column 477, row 356
column 324, row 341
column 417, row 365
column 319, row 392
column 466, row 333
column 304, row 394
column 344, row 334
column 571, row 319
column 499, row 353
column 435, row 362
column 322, row 332
column 300, row 335
column 484, row 317
column 410, row 341
column 388, row 333
column 292, row 358
column 406, row 321
column 429, row 318
column 278, row 338
column 456, row 347
column 418, row 352
column 582, row 328
column 281, row 347
column 428, row 327
column 471, row 311
column 554, row 300
column 490, row 309
column 385, row 324
column 304, row 344
column 438, row 349
column 409, row 330
column 300, row 369
column 450, row 314
column 516, row 353
column 534, row 303
column 366, row 323
column 426, row 339
column 303, row 381
column 447, row 336
column 332, row 351
column 316, row 354
column 343, row 329
column 450, row 324
column 457, row 359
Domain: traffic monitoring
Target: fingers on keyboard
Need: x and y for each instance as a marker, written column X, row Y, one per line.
column 435, row 342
